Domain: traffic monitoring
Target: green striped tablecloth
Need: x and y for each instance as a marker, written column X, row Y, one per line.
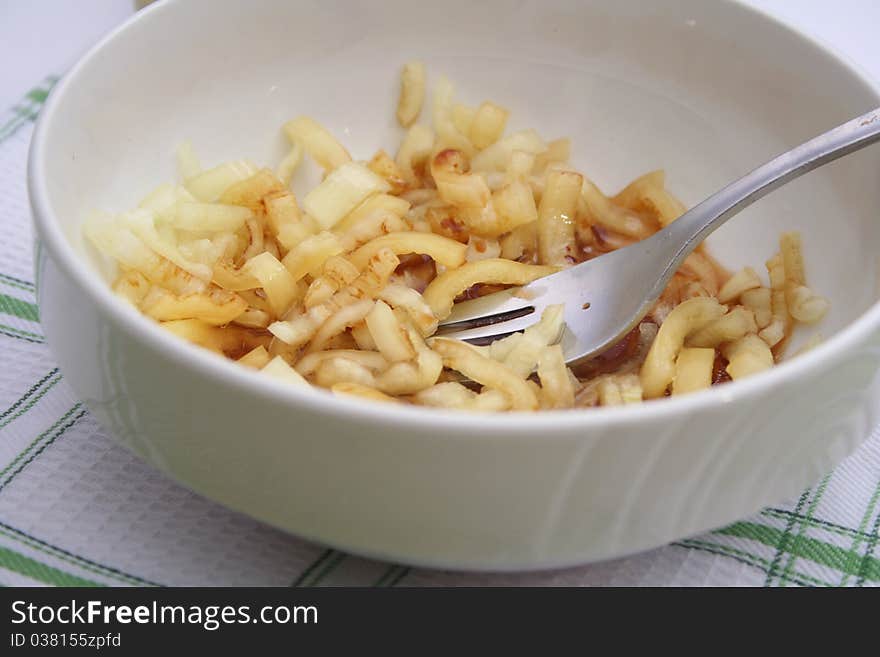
column 75, row 509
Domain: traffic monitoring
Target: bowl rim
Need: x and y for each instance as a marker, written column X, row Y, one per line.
column 399, row 416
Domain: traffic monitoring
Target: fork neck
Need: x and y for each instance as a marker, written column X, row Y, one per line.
column 685, row 233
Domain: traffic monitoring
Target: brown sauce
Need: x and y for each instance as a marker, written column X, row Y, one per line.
column 480, row 290
column 610, row 360
column 418, row 270
column 719, row 370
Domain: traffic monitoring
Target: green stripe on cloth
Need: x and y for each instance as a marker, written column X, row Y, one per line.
column 385, row 576
column 19, row 283
column 31, row 390
column 23, row 110
column 43, row 447
column 392, row 576
column 802, row 527
column 336, row 559
column 319, row 569
column 746, row 558
column 36, row 440
column 30, row 403
column 21, row 334
column 68, row 557
column 816, row 523
column 399, row 578
column 782, row 544
column 12, row 124
column 38, row 96
column 19, row 563
column 28, row 108
column 872, row 540
column 19, row 308
column 40, row 443
column 869, row 551
column 863, row 525
column 306, row 574
column 841, row 559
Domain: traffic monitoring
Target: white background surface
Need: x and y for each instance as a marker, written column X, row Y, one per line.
column 33, row 32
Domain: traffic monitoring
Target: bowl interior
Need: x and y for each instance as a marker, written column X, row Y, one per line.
column 705, row 90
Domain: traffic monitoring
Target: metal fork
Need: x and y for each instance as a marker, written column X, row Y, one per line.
column 606, row 297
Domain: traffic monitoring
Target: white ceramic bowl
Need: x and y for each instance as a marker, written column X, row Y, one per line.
column 705, row 89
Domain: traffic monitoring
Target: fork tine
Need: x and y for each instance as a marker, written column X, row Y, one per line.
column 485, row 320
column 491, row 332
column 485, row 310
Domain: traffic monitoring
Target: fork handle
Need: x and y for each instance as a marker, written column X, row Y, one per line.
column 689, row 230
